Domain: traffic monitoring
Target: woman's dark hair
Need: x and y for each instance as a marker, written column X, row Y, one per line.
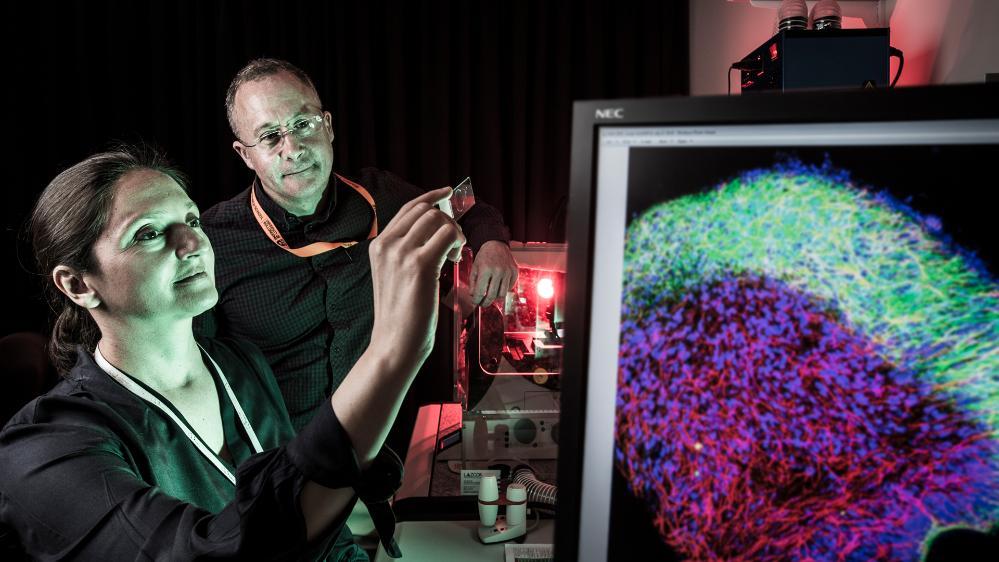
column 66, row 222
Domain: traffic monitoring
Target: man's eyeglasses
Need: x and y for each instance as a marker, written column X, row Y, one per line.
column 301, row 128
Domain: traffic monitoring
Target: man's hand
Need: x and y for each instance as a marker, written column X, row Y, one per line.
column 494, row 272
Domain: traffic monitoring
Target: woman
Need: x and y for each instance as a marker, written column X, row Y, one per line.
column 159, row 446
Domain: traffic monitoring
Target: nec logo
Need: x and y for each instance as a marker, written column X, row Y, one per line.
column 610, row 113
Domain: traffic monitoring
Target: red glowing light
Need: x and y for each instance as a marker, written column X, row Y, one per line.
column 546, row 289
column 773, row 51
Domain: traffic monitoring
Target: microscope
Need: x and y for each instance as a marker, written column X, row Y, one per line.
column 503, row 421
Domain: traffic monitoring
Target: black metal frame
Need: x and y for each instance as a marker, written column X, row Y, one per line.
column 906, row 104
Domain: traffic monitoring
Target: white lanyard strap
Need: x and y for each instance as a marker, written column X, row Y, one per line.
column 133, row 387
column 235, row 404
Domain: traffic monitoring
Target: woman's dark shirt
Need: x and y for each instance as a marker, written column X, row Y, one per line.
column 91, row 471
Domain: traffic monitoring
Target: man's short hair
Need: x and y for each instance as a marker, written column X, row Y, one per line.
column 255, row 70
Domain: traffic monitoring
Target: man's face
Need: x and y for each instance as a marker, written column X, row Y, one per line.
column 295, row 172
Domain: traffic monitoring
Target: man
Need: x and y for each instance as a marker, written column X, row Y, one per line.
column 293, row 272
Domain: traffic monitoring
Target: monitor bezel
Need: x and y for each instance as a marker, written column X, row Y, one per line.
column 953, row 102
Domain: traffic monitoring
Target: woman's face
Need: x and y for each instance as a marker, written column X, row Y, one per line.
column 153, row 260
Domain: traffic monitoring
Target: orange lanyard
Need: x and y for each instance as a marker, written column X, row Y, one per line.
column 315, row 248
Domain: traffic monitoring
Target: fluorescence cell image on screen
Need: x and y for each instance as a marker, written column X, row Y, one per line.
column 809, row 356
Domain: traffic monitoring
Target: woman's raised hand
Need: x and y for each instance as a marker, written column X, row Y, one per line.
column 406, row 259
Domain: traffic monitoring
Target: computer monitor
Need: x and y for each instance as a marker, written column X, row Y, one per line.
column 782, row 326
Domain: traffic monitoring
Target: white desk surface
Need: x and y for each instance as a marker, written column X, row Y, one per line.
column 457, row 541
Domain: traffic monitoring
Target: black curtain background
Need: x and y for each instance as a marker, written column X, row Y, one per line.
column 431, row 90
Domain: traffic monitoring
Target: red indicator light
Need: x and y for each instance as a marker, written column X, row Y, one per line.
column 773, row 51
column 546, row 289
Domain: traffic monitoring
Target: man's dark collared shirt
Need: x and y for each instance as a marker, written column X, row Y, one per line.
column 312, row 317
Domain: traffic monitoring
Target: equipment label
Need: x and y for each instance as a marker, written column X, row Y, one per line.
column 470, row 480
